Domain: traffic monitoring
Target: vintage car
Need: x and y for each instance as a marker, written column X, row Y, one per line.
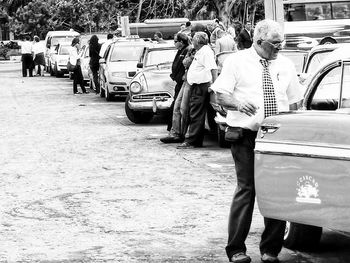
column 152, row 89
column 118, row 66
column 302, row 158
column 59, row 59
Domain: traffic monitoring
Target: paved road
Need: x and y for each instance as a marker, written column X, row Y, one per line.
column 80, row 183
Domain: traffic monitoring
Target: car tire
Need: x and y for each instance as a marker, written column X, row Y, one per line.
column 137, row 116
column 102, row 91
column 302, row 237
column 221, row 138
column 108, row 95
column 52, row 73
column 328, row 40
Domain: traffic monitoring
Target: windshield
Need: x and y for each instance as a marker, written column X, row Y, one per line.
column 55, row 40
column 64, row 50
column 126, row 53
column 155, row 57
column 316, row 60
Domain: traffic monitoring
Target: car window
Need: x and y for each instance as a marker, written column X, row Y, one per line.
column 64, row 50
column 326, row 96
column 155, row 57
column 315, row 61
column 126, row 53
column 55, row 40
column 107, row 52
column 346, row 86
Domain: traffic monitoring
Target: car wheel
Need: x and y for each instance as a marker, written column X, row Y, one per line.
column 221, row 138
column 102, row 91
column 328, row 40
column 109, row 96
column 52, row 73
column 300, row 236
column 137, row 116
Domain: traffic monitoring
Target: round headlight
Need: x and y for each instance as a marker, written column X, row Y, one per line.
column 135, row 87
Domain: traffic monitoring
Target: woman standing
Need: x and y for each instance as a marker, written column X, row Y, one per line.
column 94, row 51
column 38, row 53
column 74, row 59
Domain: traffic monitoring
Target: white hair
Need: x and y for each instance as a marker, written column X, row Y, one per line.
column 266, row 28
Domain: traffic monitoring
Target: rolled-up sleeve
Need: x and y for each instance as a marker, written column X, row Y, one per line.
column 226, row 81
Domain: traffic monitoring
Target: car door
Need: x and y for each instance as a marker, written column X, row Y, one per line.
column 103, row 66
column 302, row 158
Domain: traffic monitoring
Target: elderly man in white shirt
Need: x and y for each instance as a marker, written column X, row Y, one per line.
column 200, row 75
column 254, row 83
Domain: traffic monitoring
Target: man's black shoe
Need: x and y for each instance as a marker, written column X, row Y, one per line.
column 172, row 139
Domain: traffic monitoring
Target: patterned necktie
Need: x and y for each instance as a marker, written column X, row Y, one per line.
column 270, row 105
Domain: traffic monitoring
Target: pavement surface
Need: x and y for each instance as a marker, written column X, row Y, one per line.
column 81, row 183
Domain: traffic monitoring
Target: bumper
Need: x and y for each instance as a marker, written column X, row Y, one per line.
column 151, row 105
column 62, row 69
column 118, row 88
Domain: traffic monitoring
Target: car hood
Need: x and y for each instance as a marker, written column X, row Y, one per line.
column 159, row 80
column 122, row 66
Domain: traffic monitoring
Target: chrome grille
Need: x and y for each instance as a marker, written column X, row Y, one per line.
column 149, row 96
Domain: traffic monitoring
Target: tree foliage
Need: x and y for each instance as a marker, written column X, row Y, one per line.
column 37, row 16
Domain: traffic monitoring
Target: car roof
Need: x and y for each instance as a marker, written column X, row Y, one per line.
column 62, row 33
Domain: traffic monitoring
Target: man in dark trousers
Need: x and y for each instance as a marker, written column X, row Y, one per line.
column 254, row 83
column 200, row 75
column 245, row 37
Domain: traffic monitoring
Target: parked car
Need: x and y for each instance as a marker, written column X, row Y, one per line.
column 302, row 158
column 59, row 58
column 118, row 66
column 152, row 89
column 52, row 39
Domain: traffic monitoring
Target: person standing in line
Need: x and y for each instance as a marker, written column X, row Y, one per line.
column 181, row 42
column 202, row 72
column 244, row 38
column 27, row 56
column 94, row 53
column 158, row 37
column 39, row 57
column 106, row 44
column 254, row 83
column 74, row 59
column 224, row 42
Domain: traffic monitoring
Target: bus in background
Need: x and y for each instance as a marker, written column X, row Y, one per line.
column 327, row 21
column 168, row 27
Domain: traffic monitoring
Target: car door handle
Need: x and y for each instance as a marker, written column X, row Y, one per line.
column 269, row 128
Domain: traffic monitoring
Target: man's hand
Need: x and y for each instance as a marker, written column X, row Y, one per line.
column 247, row 108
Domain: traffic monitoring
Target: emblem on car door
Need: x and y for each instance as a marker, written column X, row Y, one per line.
column 307, row 190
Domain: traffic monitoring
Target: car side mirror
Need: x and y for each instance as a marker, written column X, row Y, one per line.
column 139, row 65
column 102, row 61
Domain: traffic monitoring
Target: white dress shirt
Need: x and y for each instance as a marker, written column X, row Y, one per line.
column 38, row 47
column 202, row 64
column 26, row 47
column 104, row 47
column 73, row 55
column 241, row 75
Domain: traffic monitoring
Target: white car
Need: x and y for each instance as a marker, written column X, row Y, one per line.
column 119, row 66
column 59, row 59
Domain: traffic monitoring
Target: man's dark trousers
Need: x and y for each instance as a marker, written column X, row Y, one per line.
column 243, row 203
column 199, row 102
column 27, row 63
